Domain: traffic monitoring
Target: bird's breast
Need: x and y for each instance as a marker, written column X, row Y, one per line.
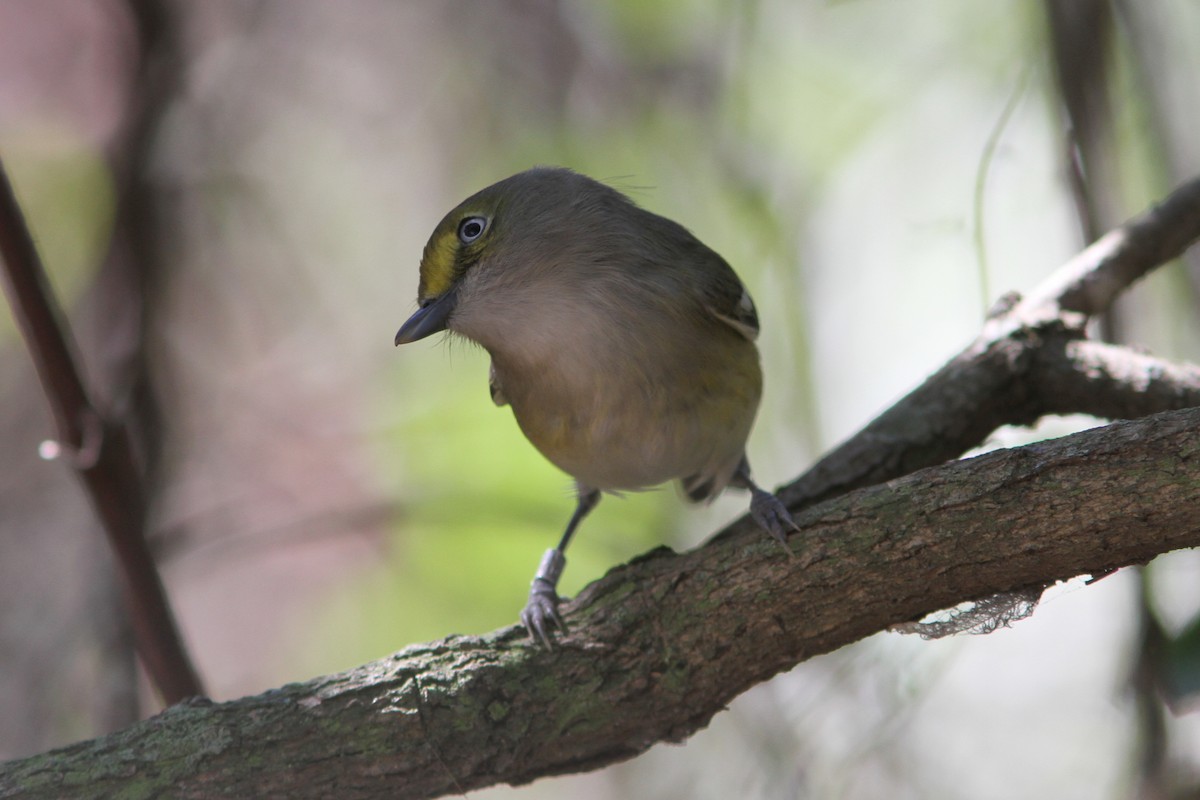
column 626, row 413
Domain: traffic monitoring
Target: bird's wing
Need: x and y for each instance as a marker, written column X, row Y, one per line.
column 495, row 388
column 727, row 299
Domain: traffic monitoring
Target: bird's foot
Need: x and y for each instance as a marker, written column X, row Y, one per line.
column 772, row 516
column 540, row 615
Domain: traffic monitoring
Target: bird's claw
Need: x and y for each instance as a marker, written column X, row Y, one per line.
column 772, row 516
column 540, row 615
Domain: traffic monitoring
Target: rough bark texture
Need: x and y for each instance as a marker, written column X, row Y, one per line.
column 468, row 712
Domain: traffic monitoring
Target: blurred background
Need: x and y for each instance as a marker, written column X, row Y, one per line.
column 232, row 197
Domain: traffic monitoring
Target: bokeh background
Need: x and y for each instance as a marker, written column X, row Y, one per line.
column 232, row 197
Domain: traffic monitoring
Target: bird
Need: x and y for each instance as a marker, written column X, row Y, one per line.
column 624, row 346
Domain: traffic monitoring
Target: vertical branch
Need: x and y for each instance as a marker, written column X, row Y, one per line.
column 120, row 315
column 101, row 452
column 1080, row 40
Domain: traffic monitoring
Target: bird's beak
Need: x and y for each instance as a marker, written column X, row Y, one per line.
column 428, row 320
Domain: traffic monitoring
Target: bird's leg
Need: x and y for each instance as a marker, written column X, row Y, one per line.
column 767, row 510
column 540, row 615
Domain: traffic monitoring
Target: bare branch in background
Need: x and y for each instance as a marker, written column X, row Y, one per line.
column 1081, row 43
column 99, row 449
column 991, row 382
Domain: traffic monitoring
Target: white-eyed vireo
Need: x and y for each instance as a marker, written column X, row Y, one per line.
column 624, row 345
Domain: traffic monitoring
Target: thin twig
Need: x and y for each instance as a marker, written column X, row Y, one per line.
column 982, row 172
column 1089, row 283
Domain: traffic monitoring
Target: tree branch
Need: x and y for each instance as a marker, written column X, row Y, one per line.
column 1087, row 377
column 1089, row 283
column 468, row 712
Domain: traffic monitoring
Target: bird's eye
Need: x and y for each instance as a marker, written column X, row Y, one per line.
column 471, row 229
